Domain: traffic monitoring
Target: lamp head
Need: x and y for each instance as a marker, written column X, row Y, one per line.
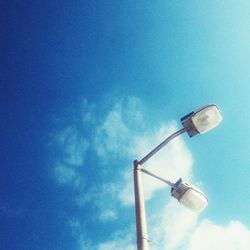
column 201, row 120
column 189, row 196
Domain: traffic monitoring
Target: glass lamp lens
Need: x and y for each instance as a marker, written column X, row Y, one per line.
column 194, row 200
column 206, row 119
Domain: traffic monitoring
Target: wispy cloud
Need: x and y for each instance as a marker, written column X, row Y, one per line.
column 108, row 214
column 79, row 233
column 68, row 175
column 208, row 235
column 121, row 241
column 165, row 164
column 119, row 136
column 116, row 133
column 73, row 146
column 171, row 226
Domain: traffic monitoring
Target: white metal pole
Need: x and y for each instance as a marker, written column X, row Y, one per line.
column 140, row 214
column 141, row 224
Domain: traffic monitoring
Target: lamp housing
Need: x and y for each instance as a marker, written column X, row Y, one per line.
column 189, row 196
column 201, row 120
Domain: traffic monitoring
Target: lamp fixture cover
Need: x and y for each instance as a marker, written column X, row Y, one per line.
column 189, row 196
column 202, row 120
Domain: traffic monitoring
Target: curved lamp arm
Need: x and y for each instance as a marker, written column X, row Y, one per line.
column 196, row 122
column 160, row 146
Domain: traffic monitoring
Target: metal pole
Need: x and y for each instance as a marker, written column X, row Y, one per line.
column 141, row 224
column 140, row 214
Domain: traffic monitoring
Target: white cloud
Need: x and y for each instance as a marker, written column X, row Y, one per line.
column 103, row 197
column 116, row 134
column 108, row 210
column 120, row 242
column 88, row 112
column 116, row 245
column 121, row 138
column 67, row 175
column 124, row 135
column 180, row 230
column 78, row 232
column 83, row 198
column 133, row 111
column 165, row 163
column 108, row 214
column 110, row 134
column 73, row 146
column 171, row 226
column 209, row 236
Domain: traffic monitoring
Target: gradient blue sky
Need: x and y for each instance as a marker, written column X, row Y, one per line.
column 89, row 86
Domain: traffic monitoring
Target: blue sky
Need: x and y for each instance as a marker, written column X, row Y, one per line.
column 87, row 87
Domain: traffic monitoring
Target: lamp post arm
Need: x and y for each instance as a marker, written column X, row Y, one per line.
column 140, row 213
column 171, row 184
column 161, row 145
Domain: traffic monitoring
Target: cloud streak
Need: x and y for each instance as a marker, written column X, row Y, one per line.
column 121, row 135
column 208, row 236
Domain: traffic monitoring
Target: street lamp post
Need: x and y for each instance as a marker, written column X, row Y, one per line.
column 197, row 122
